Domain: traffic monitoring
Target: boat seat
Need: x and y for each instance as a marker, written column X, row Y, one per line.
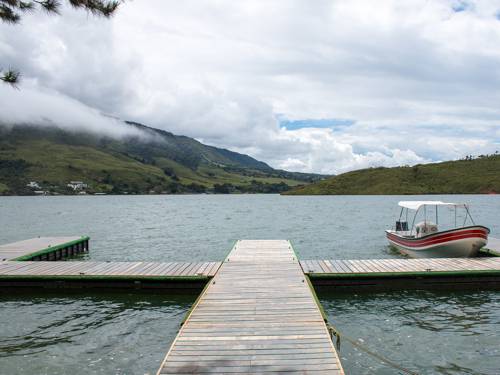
column 401, row 226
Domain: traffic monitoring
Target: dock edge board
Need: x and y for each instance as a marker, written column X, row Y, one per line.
column 169, row 284
column 402, row 275
column 104, row 278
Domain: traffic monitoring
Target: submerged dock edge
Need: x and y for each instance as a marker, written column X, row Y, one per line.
column 451, row 280
column 171, row 284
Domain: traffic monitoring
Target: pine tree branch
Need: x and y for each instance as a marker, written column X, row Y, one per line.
column 26, row 6
column 97, row 7
column 11, row 3
column 10, row 13
column 11, row 77
column 50, row 6
column 7, row 14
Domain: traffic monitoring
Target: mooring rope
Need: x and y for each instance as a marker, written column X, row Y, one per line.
column 334, row 332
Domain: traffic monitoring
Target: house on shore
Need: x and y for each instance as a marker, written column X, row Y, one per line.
column 33, row 185
column 77, row 185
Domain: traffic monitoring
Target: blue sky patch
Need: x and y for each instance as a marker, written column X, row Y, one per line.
column 331, row 123
column 460, row 6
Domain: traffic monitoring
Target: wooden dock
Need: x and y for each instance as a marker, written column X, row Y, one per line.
column 257, row 312
column 405, row 273
column 44, row 248
column 178, row 276
column 258, row 315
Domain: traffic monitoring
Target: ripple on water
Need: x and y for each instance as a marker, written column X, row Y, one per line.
column 97, row 334
column 428, row 332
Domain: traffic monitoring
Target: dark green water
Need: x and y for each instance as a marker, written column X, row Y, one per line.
column 432, row 333
column 61, row 333
column 426, row 332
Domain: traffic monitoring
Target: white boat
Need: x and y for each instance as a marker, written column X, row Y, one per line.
column 425, row 240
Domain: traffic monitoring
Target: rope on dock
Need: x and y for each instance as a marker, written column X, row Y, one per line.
column 335, row 332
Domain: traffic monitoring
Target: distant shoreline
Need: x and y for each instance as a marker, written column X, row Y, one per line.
column 231, row 194
column 472, row 175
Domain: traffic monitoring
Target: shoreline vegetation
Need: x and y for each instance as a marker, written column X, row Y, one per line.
column 471, row 175
column 43, row 160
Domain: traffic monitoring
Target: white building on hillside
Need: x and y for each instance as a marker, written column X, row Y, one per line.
column 33, row 185
column 77, row 185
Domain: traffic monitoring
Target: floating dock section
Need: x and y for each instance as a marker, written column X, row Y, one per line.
column 44, row 248
column 257, row 315
column 175, row 276
column 448, row 273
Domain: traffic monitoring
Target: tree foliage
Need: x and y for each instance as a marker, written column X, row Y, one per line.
column 11, row 11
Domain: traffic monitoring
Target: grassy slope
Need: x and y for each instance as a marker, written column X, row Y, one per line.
column 55, row 158
column 476, row 176
column 57, row 164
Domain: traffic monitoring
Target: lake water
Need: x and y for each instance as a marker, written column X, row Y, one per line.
column 129, row 333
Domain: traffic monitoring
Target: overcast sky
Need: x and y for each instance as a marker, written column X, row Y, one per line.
column 312, row 86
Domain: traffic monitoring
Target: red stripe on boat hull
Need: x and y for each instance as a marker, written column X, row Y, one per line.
column 463, row 242
column 438, row 238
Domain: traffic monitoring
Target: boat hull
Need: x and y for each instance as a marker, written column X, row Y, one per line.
column 456, row 243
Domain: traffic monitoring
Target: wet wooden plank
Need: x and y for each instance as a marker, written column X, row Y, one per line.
column 163, row 269
column 335, row 267
column 190, row 270
column 202, row 268
column 97, row 268
column 213, row 269
column 375, row 267
column 154, row 271
column 344, row 264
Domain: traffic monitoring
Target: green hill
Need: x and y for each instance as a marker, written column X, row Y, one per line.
column 476, row 176
column 159, row 162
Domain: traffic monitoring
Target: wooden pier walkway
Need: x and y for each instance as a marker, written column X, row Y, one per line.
column 44, row 248
column 257, row 315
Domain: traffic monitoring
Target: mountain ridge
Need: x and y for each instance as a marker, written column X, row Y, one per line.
column 158, row 162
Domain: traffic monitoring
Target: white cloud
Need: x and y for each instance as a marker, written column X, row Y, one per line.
column 421, row 81
column 37, row 106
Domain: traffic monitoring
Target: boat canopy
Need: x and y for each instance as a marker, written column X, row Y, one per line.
column 415, row 205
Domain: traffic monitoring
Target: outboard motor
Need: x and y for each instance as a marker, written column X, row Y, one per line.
column 401, row 226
